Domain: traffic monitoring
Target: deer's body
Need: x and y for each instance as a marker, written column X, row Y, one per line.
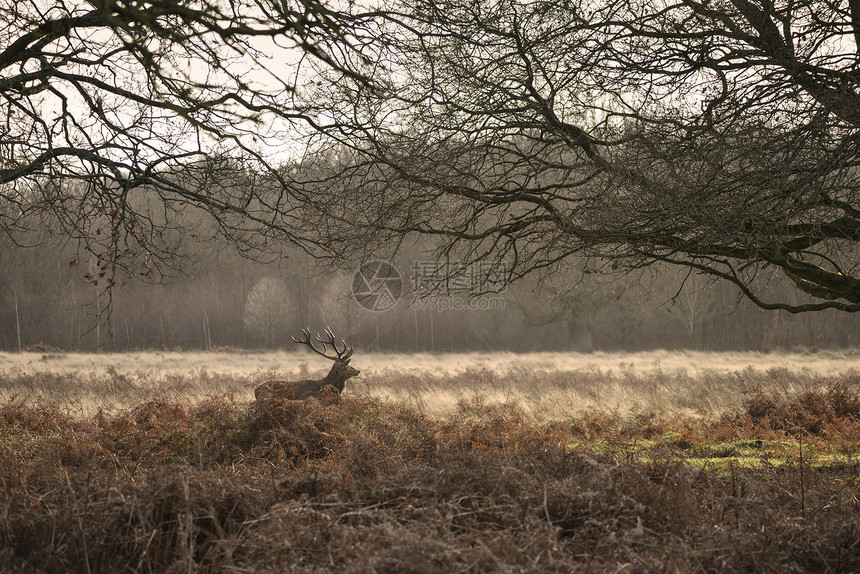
column 334, row 382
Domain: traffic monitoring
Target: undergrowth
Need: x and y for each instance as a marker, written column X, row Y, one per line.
column 365, row 485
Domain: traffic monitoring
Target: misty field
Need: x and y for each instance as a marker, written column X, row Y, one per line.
column 546, row 385
column 546, row 462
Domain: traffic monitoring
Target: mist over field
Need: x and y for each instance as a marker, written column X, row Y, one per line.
column 222, row 300
column 554, row 385
column 554, row 426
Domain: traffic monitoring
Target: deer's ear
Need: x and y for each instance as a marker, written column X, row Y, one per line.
column 346, row 362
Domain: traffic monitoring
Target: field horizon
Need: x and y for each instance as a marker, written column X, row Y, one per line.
column 237, row 361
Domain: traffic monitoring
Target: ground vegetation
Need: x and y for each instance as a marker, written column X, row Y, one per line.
column 361, row 484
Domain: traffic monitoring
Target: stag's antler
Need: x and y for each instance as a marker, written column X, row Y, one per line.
column 342, row 353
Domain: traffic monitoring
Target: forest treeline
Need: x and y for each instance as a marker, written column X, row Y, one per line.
column 49, row 298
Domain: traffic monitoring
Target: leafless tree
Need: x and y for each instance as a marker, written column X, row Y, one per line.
column 336, row 304
column 579, row 307
column 120, row 117
column 719, row 135
column 268, row 309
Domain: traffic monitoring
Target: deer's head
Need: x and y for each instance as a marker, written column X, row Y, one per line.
column 341, row 369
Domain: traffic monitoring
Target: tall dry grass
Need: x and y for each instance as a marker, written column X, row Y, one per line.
column 543, row 385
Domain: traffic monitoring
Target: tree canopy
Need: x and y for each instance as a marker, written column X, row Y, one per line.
column 719, row 135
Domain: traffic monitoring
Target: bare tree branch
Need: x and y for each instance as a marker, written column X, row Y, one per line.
column 721, row 136
column 117, row 115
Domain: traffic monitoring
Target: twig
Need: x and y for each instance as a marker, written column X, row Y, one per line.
column 802, row 482
column 80, row 518
column 849, row 482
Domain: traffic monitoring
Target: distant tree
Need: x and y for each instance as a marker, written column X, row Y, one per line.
column 721, row 136
column 337, row 308
column 693, row 304
column 268, row 310
column 581, row 302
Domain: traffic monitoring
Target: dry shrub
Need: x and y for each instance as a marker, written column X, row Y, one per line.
column 17, row 415
column 833, row 407
column 837, row 400
column 163, row 519
column 480, row 425
column 363, row 485
column 286, row 433
column 592, row 423
column 158, row 411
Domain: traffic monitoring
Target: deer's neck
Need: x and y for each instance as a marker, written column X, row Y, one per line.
column 335, row 379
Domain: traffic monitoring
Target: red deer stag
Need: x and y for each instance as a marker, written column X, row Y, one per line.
column 333, row 382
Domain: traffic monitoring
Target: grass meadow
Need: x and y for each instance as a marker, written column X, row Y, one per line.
column 542, row 385
column 545, row 462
